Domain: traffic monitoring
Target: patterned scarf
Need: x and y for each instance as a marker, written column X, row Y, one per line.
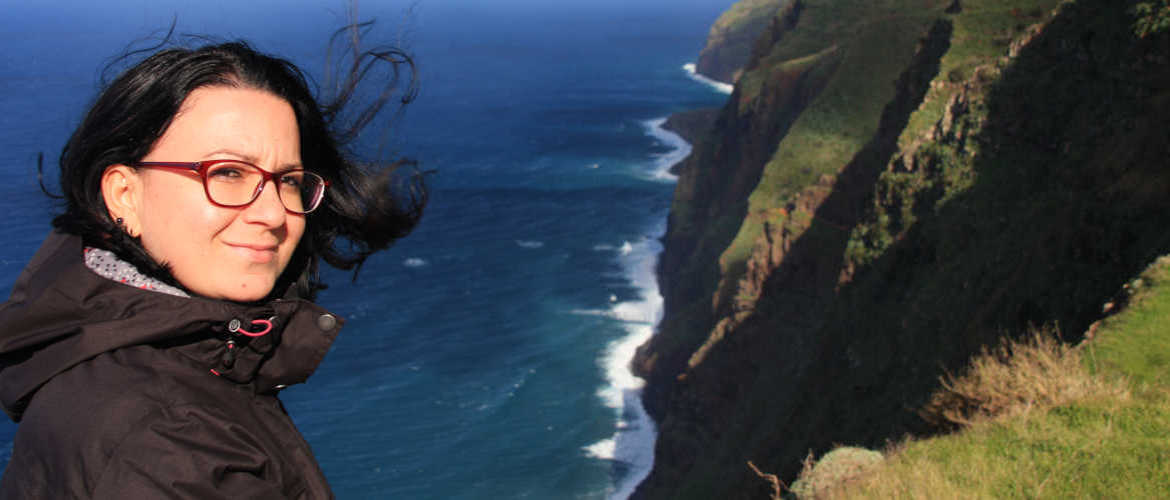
column 107, row 265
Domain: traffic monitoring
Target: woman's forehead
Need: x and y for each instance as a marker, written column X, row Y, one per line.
column 245, row 123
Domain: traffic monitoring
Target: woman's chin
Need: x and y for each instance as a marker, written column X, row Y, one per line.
column 249, row 289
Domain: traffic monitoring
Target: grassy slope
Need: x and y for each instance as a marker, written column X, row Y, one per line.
column 874, row 41
column 979, row 42
column 1098, row 447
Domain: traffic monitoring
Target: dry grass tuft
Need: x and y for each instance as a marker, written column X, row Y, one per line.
column 837, row 468
column 1039, row 371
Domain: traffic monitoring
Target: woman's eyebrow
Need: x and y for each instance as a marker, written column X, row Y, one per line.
column 252, row 159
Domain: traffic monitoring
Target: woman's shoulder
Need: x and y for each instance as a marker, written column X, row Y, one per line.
column 82, row 415
column 104, row 398
column 124, row 385
column 133, row 419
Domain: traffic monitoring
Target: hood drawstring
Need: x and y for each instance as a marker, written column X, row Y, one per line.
column 236, row 329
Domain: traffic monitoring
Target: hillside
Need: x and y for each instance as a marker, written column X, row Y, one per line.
column 729, row 43
column 1093, row 427
column 893, row 186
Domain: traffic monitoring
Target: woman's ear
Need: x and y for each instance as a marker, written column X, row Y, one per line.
column 122, row 192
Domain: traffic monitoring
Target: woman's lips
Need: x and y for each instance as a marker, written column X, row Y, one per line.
column 259, row 254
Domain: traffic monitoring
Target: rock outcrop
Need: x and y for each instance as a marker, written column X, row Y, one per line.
column 692, row 125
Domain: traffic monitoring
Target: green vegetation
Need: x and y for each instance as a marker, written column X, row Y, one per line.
column 944, row 164
column 982, row 34
column 859, row 48
column 742, row 13
column 1152, row 17
column 1053, row 422
column 836, row 468
column 1136, row 343
column 1015, row 378
column 729, row 43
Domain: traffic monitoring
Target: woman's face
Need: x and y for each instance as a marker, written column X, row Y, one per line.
column 224, row 253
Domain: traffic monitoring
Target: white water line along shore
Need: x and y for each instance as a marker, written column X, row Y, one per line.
column 723, row 88
column 632, row 446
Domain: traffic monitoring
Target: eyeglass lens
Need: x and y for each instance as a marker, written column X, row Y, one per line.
column 235, row 184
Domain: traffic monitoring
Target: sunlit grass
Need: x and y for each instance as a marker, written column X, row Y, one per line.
column 1042, row 420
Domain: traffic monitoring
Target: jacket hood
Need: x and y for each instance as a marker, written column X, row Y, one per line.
column 61, row 313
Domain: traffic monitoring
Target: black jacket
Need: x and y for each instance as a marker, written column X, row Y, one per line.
column 130, row 393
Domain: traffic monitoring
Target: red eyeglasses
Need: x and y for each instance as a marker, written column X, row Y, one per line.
column 234, row 183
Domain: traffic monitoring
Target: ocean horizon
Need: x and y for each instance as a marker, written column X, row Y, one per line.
column 487, row 354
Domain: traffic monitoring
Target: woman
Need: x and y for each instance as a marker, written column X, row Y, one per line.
column 144, row 346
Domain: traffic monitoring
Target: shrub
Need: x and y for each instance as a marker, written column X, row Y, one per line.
column 1039, row 371
column 836, row 468
column 1152, row 17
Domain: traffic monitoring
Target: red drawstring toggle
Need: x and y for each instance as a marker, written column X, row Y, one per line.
column 267, row 327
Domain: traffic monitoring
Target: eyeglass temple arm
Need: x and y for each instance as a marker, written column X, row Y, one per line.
column 191, row 165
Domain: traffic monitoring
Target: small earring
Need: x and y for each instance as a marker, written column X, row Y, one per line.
column 118, row 221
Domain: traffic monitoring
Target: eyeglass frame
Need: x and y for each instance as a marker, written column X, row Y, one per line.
column 201, row 167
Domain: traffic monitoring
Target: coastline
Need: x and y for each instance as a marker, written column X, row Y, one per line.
column 721, row 87
column 691, row 125
column 636, row 435
column 631, row 448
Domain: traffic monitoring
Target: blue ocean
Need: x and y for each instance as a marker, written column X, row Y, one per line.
column 485, row 356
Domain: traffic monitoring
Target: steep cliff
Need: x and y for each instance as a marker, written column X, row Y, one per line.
column 729, row 43
column 893, row 185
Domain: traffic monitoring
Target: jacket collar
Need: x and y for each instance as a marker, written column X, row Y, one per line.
column 61, row 313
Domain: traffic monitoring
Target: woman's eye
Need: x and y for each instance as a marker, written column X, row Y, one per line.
column 291, row 180
column 227, row 172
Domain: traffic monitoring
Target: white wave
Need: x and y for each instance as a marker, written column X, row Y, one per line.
column 679, row 149
column 634, row 433
column 624, row 249
column 626, row 312
column 602, row 449
column 414, row 262
column 722, row 88
column 592, row 312
column 529, row 244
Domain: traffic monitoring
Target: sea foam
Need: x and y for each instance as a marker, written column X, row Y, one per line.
column 632, row 444
column 724, row 88
column 679, row 149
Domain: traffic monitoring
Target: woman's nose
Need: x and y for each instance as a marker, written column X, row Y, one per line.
column 267, row 207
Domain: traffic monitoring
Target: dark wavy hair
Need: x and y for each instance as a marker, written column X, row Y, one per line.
column 366, row 209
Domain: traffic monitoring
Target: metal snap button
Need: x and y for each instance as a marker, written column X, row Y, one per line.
column 326, row 322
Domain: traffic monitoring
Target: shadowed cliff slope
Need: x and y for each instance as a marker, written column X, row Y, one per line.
column 892, row 186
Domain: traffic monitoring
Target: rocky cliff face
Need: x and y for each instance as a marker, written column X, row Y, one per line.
column 892, row 186
column 730, row 41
